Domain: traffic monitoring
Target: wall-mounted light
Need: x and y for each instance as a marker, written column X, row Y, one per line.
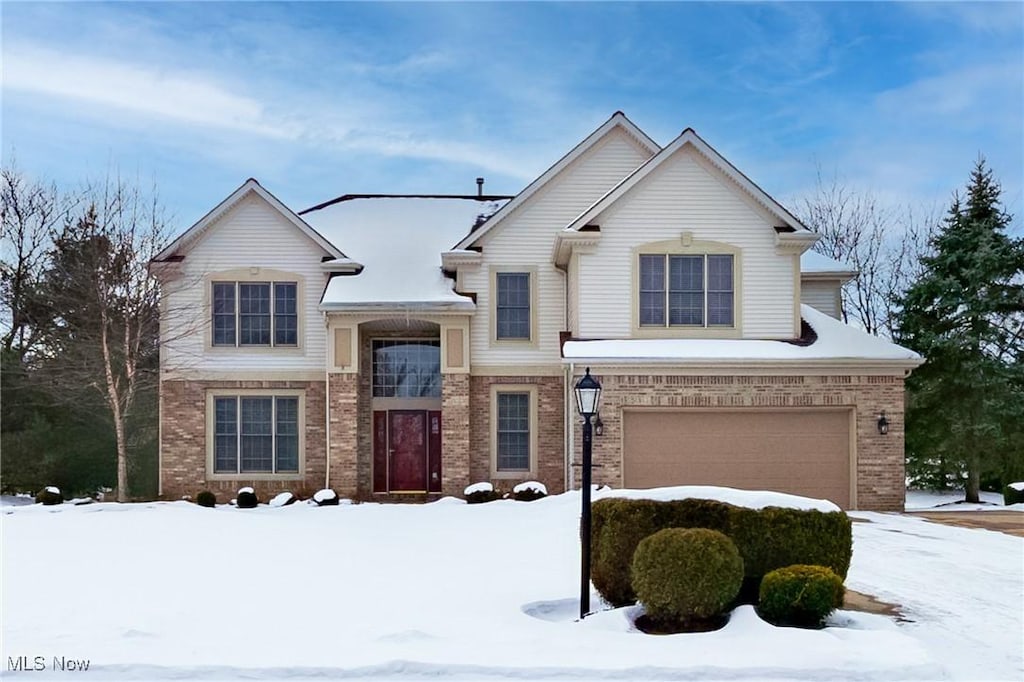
column 883, row 423
column 598, row 426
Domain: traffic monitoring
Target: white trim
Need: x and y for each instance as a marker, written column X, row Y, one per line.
column 618, row 120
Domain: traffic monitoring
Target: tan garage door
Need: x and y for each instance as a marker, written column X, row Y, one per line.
column 805, row 452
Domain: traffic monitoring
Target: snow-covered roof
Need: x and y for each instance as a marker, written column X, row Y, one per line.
column 399, row 242
column 812, row 262
column 835, row 342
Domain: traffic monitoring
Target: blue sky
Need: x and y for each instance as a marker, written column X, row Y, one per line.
column 321, row 99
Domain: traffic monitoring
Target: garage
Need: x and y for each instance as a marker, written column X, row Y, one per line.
column 804, row 452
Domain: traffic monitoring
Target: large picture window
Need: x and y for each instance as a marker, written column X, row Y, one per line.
column 256, row 434
column 686, row 290
column 255, row 314
column 406, row 368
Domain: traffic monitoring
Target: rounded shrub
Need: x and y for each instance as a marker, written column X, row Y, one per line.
column 482, row 492
column 1013, row 493
column 283, row 499
column 326, row 498
column 49, row 495
column 682, row 575
column 206, row 499
column 800, row 595
column 618, row 526
column 529, row 491
column 247, row 499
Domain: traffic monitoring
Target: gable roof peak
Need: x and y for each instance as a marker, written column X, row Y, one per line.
column 616, row 120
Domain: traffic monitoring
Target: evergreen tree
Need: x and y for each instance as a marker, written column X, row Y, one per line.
column 965, row 404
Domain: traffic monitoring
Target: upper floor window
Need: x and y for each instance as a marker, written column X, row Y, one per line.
column 255, row 314
column 686, row 290
column 512, row 313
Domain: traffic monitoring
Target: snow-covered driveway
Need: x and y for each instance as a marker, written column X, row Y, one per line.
column 175, row 591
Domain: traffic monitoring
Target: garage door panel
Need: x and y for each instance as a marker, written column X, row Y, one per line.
column 804, row 452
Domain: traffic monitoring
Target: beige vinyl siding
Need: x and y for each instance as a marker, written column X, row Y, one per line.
column 250, row 235
column 573, row 300
column 525, row 239
column 823, row 296
column 686, row 194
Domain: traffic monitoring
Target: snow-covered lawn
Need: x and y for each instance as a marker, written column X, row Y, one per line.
column 177, row 591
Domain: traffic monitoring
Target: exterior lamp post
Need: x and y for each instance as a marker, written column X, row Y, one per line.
column 588, row 397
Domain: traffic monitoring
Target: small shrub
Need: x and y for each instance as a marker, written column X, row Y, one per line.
column 478, row 493
column 682, row 575
column 1013, row 494
column 283, row 499
column 206, row 499
column 618, row 525
column 49, row 495
column 326, row 498
column 800, row 595
column 529, row 491
column 247, row 499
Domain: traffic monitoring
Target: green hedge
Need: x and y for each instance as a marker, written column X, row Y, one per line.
column 767, row 539
column 800, row 596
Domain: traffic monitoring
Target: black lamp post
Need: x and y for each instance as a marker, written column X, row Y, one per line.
column 588, row 396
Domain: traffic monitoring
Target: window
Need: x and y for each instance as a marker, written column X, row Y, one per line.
column 512, row 313
column 256, row 434
column 406, row 368
column 513, row 431
column 686, row 291
column 255, row 314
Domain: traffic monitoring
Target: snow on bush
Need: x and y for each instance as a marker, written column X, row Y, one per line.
column 49, row 495
column 481, row 487
column 527, row 491
column 283, row 499
column 246, row 489
column 1019, row 486
column 530, row 485
column 1013, row 494
column 326, row 498
column 247, row 499
column 752, row 499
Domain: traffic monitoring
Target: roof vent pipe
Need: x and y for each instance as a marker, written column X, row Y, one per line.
column 479, row 187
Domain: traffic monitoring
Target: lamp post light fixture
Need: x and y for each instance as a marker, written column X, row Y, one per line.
column 883, row 424
column 588, row 398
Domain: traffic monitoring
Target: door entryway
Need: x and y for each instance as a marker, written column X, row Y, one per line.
column 406, row 451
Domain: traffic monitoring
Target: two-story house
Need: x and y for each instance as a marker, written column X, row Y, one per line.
column 386, row 345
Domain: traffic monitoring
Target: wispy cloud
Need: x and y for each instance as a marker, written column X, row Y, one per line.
column 189, row 98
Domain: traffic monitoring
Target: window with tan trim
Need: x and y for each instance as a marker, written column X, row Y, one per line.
column 255, row 313
column 693, row 290
column 513, row 430
column 255, row 434
column 513, row 306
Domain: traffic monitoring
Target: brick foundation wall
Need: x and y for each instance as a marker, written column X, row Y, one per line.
column 183, row 443
column 550, row 435
column 880, row 481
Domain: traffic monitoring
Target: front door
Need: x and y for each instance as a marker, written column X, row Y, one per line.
column 407, row 454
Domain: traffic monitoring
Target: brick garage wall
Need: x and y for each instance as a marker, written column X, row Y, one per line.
column 550, row 436
column 183, row 440
column 880, row 483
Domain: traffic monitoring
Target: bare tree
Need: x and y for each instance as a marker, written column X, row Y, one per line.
column 32, row 212
column 883, row 244
column 104, row 333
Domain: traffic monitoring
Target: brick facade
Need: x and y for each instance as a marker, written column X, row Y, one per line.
column 183, row 440
column 466, row 428
column 880, row 459
column 550, row 434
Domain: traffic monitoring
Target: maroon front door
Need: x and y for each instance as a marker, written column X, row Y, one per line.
column 407, row 433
